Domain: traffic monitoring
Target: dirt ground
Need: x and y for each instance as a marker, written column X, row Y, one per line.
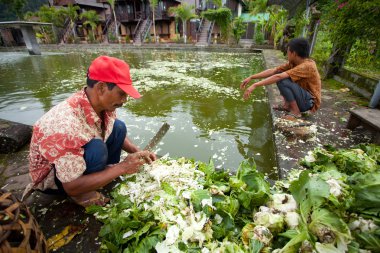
column 53, row 213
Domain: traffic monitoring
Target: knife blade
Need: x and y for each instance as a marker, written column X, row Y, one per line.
column 157, row 138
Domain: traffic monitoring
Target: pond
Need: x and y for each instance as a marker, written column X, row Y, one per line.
column 196, row 92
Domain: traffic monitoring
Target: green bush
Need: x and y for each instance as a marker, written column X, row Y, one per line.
column 322, row 49
column 178, row 39
column 91, row 38
column 259, row 37
column 238, row 28
column 363, row 57
column 222, row 18
column 112, row 37
column 70, row 40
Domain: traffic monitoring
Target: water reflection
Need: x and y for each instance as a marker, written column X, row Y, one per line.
column 195, row 92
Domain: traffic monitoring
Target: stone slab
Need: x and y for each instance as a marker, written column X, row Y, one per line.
column 369, row 118
column 13, row 136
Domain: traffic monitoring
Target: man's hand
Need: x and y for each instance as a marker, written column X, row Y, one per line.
column 248, row 91
column 244, row 83
column 133, row 161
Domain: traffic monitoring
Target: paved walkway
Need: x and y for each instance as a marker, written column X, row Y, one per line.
column 54, row 213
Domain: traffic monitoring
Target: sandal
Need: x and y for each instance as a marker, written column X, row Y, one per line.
column 292, row 116
column 280, row 108
column 96, row 199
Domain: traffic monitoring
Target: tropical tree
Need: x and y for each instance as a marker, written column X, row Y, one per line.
column 91, row 19
column 184, row 12
column 15, row 6
column 72, row 13
column 112, row 4
column 256, row 6
column 238, row 28
column 49, row 15
column 262, row 23
column 222, row 17
column 277, row 21
column 153, row 5
column 349, row 22
column 44, row 14
column 218, row 3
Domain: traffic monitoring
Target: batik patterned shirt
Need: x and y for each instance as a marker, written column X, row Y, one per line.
column 58, row 140
column 307, row 76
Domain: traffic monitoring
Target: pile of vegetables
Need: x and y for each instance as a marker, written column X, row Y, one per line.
column 333, row 205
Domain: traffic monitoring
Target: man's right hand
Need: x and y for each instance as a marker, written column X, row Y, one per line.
column 244, row 83
column 134, row 161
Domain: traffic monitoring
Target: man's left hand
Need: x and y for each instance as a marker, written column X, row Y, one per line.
column 149, row 157
column 245, row 83
column 248, row 92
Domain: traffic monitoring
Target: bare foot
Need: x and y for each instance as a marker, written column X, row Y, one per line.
column 90, row 198
column 281, row 108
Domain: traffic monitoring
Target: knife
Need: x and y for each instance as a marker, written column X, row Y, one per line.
column 157, row 138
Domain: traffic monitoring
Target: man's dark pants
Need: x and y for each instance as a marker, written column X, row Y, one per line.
column 98, row 154
column 292, row 91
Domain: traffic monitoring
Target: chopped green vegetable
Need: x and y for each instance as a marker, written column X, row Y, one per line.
column 186, row 206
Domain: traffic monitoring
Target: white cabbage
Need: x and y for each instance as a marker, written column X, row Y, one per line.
column 218, row 219
column 262, row 234
column 128, row 234
column 283, row 202
column 310, row 157
column 362, row 225
column 292, row 219
column 335, row 188
column 207, row 202
column 162, row 247
column 274, row 222
column 172, row 235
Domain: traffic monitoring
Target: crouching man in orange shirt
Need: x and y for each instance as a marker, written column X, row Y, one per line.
column 298, row 80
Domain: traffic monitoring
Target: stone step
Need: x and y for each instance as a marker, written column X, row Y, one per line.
column 13, row 136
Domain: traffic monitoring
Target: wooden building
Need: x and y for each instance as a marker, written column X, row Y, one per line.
column 134, row 18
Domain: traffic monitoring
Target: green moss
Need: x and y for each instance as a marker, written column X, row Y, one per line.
column 351, row 97
column 332, row 84
column 370, row 73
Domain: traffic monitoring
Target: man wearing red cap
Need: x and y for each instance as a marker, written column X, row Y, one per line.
column 76, row 146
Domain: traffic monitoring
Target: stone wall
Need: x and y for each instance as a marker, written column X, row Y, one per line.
column 361, row 84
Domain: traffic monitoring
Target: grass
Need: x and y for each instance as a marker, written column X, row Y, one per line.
column 333, row 84
column 371, row 73
column 351, row 97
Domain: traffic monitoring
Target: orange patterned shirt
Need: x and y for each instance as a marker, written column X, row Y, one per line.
column 307, row 76
column 58, row 140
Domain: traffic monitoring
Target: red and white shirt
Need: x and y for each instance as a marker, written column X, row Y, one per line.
column 58, row 140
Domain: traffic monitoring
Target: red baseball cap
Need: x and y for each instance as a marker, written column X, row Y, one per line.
column 112, row 70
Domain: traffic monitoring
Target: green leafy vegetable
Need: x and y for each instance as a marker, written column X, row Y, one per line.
column 367, row 190
column 186, row 206
column 310, row 193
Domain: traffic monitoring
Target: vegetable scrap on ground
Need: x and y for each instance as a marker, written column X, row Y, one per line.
column 332, row 205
